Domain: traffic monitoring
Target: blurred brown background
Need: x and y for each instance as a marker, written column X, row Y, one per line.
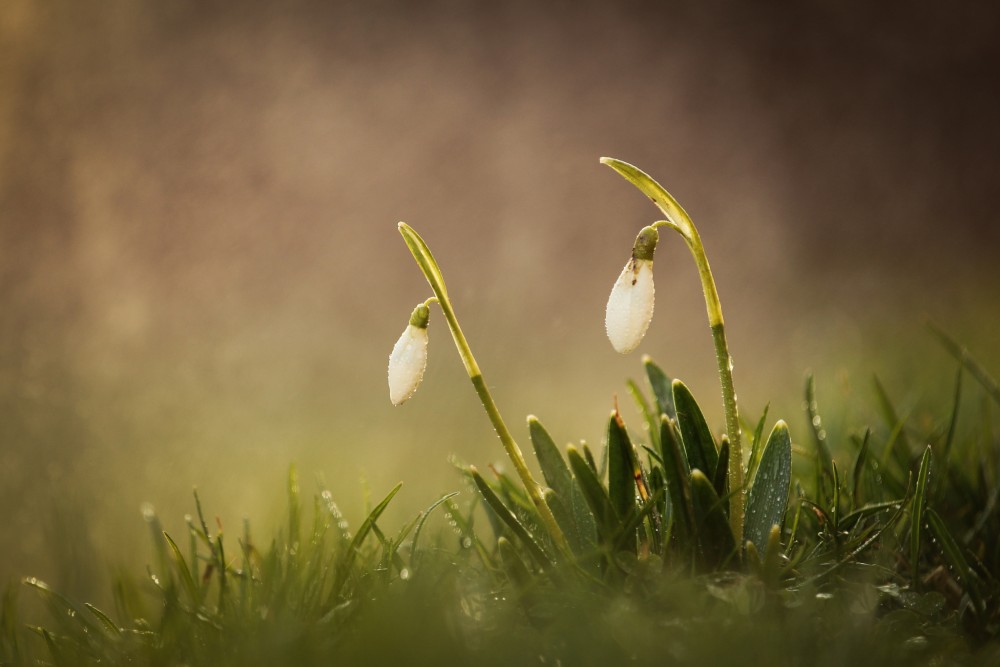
column 201, row 279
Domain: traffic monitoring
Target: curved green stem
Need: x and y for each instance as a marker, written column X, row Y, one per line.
column 680, row 221
column 429, row 266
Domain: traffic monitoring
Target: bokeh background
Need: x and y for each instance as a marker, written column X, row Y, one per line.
column 201, row 278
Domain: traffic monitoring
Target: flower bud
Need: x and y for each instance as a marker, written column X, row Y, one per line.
column 630, row 306
column 409, row 357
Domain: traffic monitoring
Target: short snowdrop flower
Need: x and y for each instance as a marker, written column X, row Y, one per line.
column 630, row 306
column 408, row 360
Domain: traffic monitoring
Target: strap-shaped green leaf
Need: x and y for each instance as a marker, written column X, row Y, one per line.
column 507, row 517
column 768, row 496
column 758, row 446
column 608, row 524
column 677, row 473
column 568, row 504
column 659, row 382
column 695, row 434
column 715, row 538
column 621, row 472
column 719, row 478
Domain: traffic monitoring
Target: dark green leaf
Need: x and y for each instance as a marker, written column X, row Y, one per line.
column 715, row 538
column 597, row 497
column 917, row 515
column 677, row 474
column 568, row 505
column 695, row 434
column 621, row 477
column 768, row 495
column 719, row 479
column 660, row 384
column 507, row 517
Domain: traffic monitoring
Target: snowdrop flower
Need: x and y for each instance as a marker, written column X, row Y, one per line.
column 630, row 306
column 409, row 357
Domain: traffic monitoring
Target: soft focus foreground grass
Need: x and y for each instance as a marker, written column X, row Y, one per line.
column 314, row 589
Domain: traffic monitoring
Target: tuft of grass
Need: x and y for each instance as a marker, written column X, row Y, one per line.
column 838, row 566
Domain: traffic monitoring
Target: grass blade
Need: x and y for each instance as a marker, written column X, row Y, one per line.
column 917, row 515
column 186, row 579
column 961, row 353
column 824, row 459
column 956, row 559
column 507, row 517
column 347, row 558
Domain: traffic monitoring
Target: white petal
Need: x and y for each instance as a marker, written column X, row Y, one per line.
column 407, row 364
column 630, row 306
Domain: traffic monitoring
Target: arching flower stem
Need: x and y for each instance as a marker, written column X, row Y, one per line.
column 429, row 266
column 679, row 221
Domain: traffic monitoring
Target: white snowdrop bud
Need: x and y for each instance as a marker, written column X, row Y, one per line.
column 409, row 357
column 630, row 306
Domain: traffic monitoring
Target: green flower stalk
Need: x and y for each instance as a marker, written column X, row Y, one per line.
column 408, row 365
column 630, row 309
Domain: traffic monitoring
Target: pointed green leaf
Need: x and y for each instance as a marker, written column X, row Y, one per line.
column 423, row 518
column 186, row 579
column 677, row 473
column 515, row 569
column 714, row 535
column 956, row 559
column 660, row 384
column 895, row 424
column 859, row 468
column 824, row 459
column 621, row 477
column 596, row 495
column 917, row 515
column 768, row 496
column 507, row 517
column 722, row 468
column 347, row 557
column 568, row 504
column 758, row 446
column 695, row 434
column 650, row 417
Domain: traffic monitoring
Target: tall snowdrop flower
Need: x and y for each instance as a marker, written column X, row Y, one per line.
column 408, row 360
column 630, row 306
